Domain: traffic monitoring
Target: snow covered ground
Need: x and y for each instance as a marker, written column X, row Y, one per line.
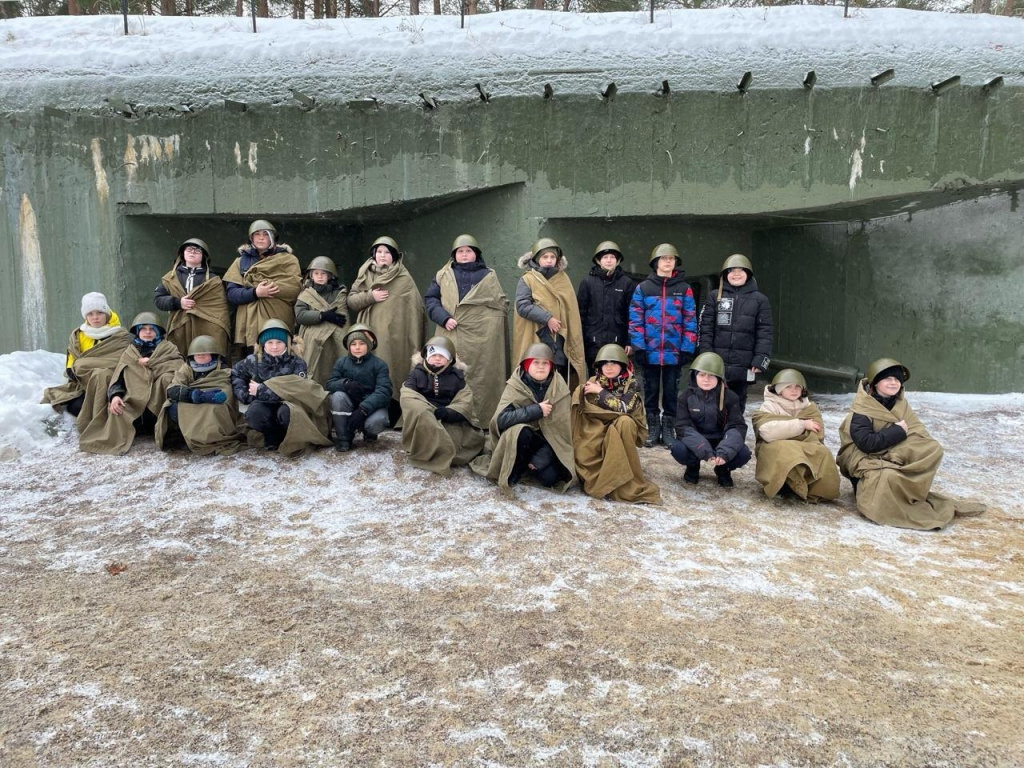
column 352, row 610
column 80, row 62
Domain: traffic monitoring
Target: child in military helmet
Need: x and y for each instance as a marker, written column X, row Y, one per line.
column 361, row 389
column 709, row 423
column 603, row 297
column 321, row 313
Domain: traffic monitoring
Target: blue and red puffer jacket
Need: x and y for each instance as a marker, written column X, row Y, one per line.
column 663, row 320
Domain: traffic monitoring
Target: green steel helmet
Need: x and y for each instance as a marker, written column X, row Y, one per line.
column 538, row 351
column 789, row 376
column 883, row 364
column 611, row 353
column 205, row 345
column 737, row 260
column 665, row 249
column 467, row 240
column 439, row 341
column 146, row 318
column 546, row 244
column 607, row 246
column 392, row 246
column 261, row 224
column 196, row 242
column 363, row 330
column 709, row 362
column 324, row 263
column 272, row 325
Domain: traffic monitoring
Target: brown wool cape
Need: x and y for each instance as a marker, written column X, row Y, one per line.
column 605, row 452
column 281, row 268
column 398, row 321
column 432, row 444
column 557, row 297
column 894, row 485
column 309, row 424
column 481, row 336
column 93, row 370
column 147, row 390
column 497, row 463
column 322, row 343
column 802, row 461
column 208, row 427
column 211, row 315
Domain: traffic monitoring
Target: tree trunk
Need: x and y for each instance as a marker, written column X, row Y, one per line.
column 298, row 9
column 168, row 8
column 537, row 5
column 470, row 7
column 414, row 7
column 983, row 6
column 73, row 8
column 437, row 7
column 1009, row 7
column 262, row 10
column 318, row 9
column 10, row 10
column 239, row 10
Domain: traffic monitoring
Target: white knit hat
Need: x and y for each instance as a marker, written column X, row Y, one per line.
column 94, row 301
column 438, row 350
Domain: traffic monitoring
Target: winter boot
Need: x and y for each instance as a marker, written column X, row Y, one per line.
column 668, row 430
column 724, row 477
column 342, row 435
column 692, row 474
column 653, row 431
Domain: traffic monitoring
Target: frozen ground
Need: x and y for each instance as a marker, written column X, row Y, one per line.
column 250, row 611
column 165, row 62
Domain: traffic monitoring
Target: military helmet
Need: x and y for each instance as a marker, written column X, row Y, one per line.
column 883, row 363
column 146, row 318
column 607, row 246
column 364, row 329
column 788, row 376
column 205, row 345
column 538, row 351
column 273, row 324
column 196, row 242
column 392, row 246
column 468, row 240
column 737, row 260
column 546, row 244
column 709, row 362
column 611, row 353
column 324, row 263
column 665, row 249
column 439, row 341
column 259, row 225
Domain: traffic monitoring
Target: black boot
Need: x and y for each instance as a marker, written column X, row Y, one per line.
column 692, row 473
column 668, row 430
column 724, row 477
column 342, row 434
column 653, row 432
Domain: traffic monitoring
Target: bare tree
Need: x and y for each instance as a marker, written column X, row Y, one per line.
column 168, row 8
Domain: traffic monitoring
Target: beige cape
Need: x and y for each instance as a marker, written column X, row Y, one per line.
column 282, row 269
column 92, row 370
column 497, row 463
column 557, row 297
column 398, row 322
column 208, row 427
column 801, row 461
column 481, row 337
column 434, row 445
column 309, row 422
column 322, row 344
column 605, row 452
column 211, row 315
column 146, row 390
column 894, row 485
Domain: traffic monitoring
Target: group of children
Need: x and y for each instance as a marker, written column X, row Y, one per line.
column 573, row 410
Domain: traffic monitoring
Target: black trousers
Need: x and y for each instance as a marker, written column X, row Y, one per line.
column 271, row 419
column 532, row 448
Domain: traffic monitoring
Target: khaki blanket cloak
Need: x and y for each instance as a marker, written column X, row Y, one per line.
column 434, row 445
column 93, row 370
column 322, row 343
column 211, row 315
column 309, row 423
column 894, row 485
column 557, row 297
column 281, row 268
column 802, row 461
column 497, row 463
column 481, row 337
column 605, row 452
column 209, row 427
column 399, row 322
column 147, row 390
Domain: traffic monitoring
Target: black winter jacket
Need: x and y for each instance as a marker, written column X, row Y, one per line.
column 263, row 369
column 439, row 389
column 524, row 414
column 467, row 276
column 701, row 426
column 604, row 308
column 739, row 328
column 163, row 299
column 863, row 433
column 372, row 374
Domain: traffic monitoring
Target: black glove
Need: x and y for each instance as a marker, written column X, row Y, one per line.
column 179, row 394
column 357, row 420
column 448, row 416
column 354, row 390
column 208, row 396
column 332, row 316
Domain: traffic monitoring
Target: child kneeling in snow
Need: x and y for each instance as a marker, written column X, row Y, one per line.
column 441, row 429
column 360, row 388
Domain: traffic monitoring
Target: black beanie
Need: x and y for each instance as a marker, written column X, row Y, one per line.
column 895, row 371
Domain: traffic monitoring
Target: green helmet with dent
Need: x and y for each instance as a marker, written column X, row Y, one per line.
column 709, row 362
column 546, row 244
column 882, row 364
column 365, row 330
column 737, row 260
column 205, row 345
column 391, row 245
column 324, row 263
column 611, row 353
column 196, row 242
column 146, row 318
column 538, row 351
column 259, row 225
column 788, row 376
column 467, row 240
column 607, row 246
column 665, row 249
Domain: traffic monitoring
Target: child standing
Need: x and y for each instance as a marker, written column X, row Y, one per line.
column 321, row 312
column 603, row 298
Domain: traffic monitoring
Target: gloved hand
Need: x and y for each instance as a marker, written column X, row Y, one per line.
column 357, row 420
column 448, row 416
column 208, row 396
column 332, row 316
column 354, row 389
column 179, row 394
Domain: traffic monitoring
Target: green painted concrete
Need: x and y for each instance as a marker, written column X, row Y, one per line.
column 713, row 173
